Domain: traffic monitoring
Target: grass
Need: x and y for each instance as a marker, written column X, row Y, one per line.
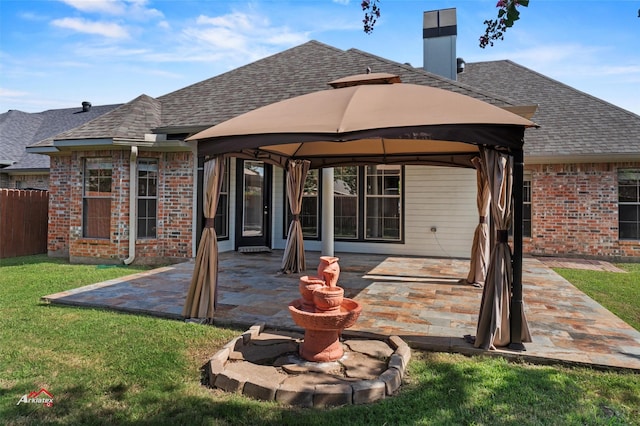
column 618, row 292
column 111, row 368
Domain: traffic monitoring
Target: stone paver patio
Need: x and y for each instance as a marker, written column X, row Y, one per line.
column 418, row 299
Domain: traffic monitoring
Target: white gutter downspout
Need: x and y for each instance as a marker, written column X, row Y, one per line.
column 133, row 207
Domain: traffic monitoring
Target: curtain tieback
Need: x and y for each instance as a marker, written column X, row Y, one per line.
column 503, row 235
column 209, row 222
column 483, row 219
column 296, row 217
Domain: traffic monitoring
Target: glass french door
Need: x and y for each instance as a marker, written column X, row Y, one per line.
column 253, row 221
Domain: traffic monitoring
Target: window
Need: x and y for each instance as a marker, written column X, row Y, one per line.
column 309, row 214
column 147, row 198
column 368, row 202
column 629, row 204
column 383, row 206
column 221, row 221
column 526, row 208
column 345, row 201
column 96, row 202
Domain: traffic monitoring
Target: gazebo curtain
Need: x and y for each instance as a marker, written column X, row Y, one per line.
column 493, row 320
column 293, row 260
column 480, row 246
column 201, row 298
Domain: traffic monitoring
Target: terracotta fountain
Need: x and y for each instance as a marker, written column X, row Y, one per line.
column 323, row 312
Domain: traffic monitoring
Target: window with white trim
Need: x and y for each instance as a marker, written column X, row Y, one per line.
column 629, row 204
column 368, row 203
column 147, row 197
column 526, row 207
column 383, row 203
column 221, row 220
column 310, row 212
column 96, row 197
column 346, row 202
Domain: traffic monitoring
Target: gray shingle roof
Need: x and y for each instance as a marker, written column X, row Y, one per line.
column 302, row 69
column 573, row 123
column 20, row 129
column 130, row 121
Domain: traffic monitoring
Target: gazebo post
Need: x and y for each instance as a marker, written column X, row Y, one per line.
column 327, row 211
column 516, row 293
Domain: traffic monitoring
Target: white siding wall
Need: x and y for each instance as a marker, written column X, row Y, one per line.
column 440, row 197
column 444, row 198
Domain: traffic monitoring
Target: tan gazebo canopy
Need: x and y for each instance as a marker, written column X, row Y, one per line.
column 361, row 122
column 375, row 119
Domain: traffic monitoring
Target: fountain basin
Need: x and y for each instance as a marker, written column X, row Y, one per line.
column 339, row 319
column 322, row 329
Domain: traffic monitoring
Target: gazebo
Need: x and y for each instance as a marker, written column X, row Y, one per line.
column 376, row 119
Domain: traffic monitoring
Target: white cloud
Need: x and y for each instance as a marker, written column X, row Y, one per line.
column 249, row 35
column 8, row 93
column 111, row 53
column 114, row 7
column 132, row 9
column 106, row 29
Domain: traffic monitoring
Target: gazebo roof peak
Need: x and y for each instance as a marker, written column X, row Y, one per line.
column 368, row 78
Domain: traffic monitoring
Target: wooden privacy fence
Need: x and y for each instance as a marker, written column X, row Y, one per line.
column 23, row 222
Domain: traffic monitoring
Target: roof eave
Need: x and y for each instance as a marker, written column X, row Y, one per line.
column 41, row 149
column 582, row 158
column 189, row 129
column 27, row 171
column 112, row 143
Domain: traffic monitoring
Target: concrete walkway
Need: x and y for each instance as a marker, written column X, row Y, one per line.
column 418, row 299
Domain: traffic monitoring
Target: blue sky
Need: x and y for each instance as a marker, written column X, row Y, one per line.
column 58, row 53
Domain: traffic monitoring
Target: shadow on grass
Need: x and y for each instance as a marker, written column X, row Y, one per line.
column 458, row 391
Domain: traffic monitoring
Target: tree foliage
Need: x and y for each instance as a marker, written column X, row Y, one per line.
column 508, row 14
column 371, row 9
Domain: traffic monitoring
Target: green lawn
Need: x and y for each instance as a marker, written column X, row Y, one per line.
column 111, row 368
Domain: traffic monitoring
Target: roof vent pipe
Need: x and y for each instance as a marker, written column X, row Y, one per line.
column 460, row 65
column 86, row 106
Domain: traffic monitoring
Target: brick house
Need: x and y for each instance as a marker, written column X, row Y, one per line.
column 392, row 209
column 582, row 166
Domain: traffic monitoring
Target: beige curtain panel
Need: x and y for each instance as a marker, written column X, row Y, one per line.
column 201, row 298
column 493, row 320
column 293, row 260
column 480, row 247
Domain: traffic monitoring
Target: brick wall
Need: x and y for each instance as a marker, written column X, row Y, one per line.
column 175, row 210
column 59, row 207
column 575, row 211
column 174, row 231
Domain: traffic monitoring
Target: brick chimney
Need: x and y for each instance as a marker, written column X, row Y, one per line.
column 439, row 32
